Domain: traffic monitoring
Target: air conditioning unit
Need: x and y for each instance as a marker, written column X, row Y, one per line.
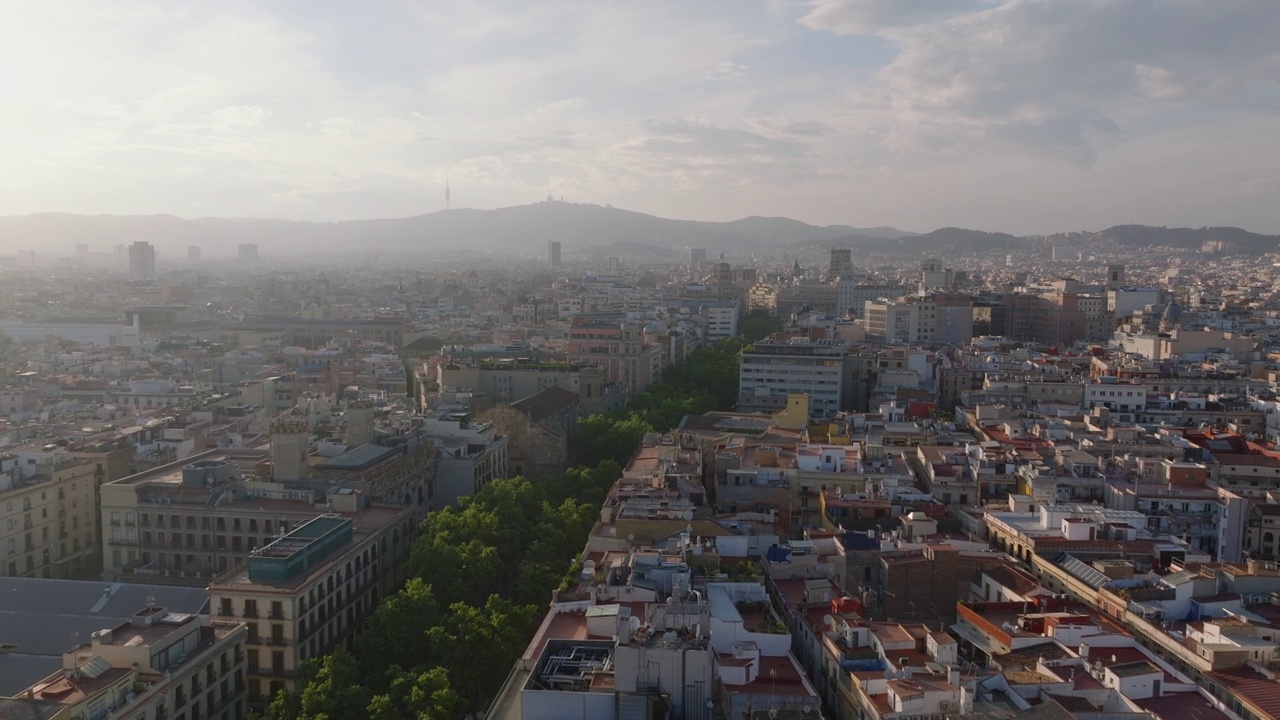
column 946, row 706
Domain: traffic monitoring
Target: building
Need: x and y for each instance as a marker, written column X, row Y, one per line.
column 188, row 521
column 142, row 261
column 247, row 252
column 697, row 257
column 106, row 332
column 721, row 317
column 469, row 454
column 553, row 253
column 40, row 620
column 509, row 381
column 193, row 253
column 312, row 333
column 538, row 430
column 618, row 348
column 310, row 591
column 852, row 297
column 920, row 320
column 48, row 504
column 772, row 369
column 158, row 664
column 841, row 264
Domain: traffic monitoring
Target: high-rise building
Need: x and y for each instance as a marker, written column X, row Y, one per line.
column 82, row 250
column 142, row 260
column 248, row 252
column 722, row 274
column 193, row 253
column 697, row 256
column 841, row 263
column 553, row 253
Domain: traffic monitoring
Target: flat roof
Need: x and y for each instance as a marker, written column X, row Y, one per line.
column 44, row 618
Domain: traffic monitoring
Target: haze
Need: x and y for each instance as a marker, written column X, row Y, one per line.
column 1019, row 116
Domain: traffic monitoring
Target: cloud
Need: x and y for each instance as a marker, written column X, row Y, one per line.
column 865, row 17
column 726, row 70
column 240, row 116
column 700, row 138
column 326, row 111
column 1056, row 77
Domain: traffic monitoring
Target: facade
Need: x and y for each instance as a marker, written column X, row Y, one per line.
column 247, row 252
column 107, row 333
column 538, row 429
column 697, row 257
column 48, row 508
column 310, row 591
column 142, row 260
column 771, row 369
column 553, row 253
column 509, row 381
column 618, row 348
column 469, row 454
column 188, row 521
column 919, row 321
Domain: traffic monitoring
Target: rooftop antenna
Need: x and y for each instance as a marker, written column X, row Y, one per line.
column 446, row 191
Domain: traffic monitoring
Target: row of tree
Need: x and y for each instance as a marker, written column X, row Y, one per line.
column 480, row 572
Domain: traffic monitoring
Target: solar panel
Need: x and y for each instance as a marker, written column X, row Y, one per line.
column 1083, row 572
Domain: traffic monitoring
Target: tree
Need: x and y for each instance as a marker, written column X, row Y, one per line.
column 477, row 641
column 398, row 630
column 330, row 689
column 413, row 695
column 608, row 437
column 757, row 325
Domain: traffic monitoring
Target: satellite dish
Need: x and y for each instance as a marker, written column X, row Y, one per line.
column 631, row 537
column 827, row 619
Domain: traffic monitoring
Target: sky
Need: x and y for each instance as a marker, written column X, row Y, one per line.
column 1023, row 116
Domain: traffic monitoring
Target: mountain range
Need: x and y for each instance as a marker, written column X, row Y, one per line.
column 526, row 229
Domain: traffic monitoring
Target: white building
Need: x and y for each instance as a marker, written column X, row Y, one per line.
column 770, row 370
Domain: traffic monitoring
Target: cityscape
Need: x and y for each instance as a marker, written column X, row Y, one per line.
column 827, row 480
column 662, row 360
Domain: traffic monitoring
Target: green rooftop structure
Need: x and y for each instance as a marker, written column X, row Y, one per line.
column 303, row 548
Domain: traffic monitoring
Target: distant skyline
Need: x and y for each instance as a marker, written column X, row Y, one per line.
column 1018, row 116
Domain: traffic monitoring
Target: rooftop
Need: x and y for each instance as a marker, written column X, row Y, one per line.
column 41, row 618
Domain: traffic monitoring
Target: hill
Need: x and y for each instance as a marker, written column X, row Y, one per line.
column 520, row 229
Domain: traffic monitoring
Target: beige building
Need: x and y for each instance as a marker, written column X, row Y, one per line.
column 189, row 521
column 311, row 590
column 48, row 500
column 158, row 666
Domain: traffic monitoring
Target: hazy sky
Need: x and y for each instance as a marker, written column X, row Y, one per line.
column 1005, row 115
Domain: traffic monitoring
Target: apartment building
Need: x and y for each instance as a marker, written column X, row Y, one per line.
column 618, row 348
column 771, row 369
column 160, row 665
column 919, row 320
column 310, row 591
column 469, row 452
column 48, row 503
column 509, row 381
column 188, row 521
